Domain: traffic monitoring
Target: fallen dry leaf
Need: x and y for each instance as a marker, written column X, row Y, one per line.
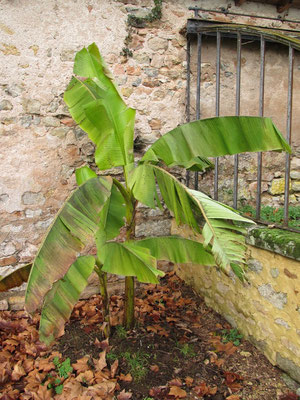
column 125, row 378
column 154, row 368
column 175, row 382
column 81, row 364
column 233, row 397
column 113, row 368
column 124, row 395
column 177, row 392
column 101, row 362
column 18, row 372
column 189, row 381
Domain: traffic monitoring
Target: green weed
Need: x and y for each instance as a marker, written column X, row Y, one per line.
column 137, row 363
column 63, row 370
column 231, row 335
column 121, row 332
column 186, row 349
column 274, row 214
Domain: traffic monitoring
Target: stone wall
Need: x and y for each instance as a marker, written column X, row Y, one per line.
column 40, row 145
column 267, row 308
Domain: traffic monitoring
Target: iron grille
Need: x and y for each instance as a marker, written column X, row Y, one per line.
column 201, row 30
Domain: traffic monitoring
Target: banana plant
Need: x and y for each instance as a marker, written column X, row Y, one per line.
column 101, row 205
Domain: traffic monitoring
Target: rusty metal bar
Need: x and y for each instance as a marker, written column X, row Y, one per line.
column 199, row 44
column 237, row 113
column 288, row 135
column 261, row 114
column 218, row 62
column 188, row 92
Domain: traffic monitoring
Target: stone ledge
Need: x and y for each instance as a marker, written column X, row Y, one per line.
column 279, row 241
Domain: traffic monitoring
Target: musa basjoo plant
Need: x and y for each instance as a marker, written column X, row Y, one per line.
column 101, row 205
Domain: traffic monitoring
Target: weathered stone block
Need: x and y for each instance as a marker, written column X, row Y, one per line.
column 5, row 105
column 30, row 198
column 59, row 132
column 51, row 121
column 277, row 186
column 278, row 299
column 296, row 186
column 3, row 305
column 157, row 44
column 7, row 261
column 274, row 272
column 295, row 175
column 255, row 265
column 16, row 303
column 31, row 106
column 289, row 366
column 153, row 228
column 282, row 322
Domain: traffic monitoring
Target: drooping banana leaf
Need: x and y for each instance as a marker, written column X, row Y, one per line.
column 74, row 227
column 220, row 231
column 96, row 105
column 177, row 250
column 61, row 298
column 83, row 174
column 15, row 278
column 129, row 260
column 215, row 137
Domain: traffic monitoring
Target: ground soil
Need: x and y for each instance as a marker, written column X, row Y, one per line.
column 177, row 350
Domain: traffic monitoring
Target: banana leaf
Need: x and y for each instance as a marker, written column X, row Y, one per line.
column 214, row 137
column 15, row 278
column 223, row 235
column 74, row 228
column 96, row 105
column 126, row 259
column 83, row 174
column 177, row 250
column 61, row 298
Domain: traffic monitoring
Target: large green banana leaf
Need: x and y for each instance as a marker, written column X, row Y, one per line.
column 15, row 278
column 129, row 260
column 83, row 174
column 220, row 229
column 96, row 105
column 74, row 227
column 177, row 250
column 61, row 298
column 112, row 216
column 215, row 137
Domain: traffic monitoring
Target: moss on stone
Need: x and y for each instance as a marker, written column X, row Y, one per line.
column 280, row 241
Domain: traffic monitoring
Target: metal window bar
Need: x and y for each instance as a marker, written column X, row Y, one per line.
column 237, row 113
column 261, row 114
column 199, row 46
column 188, row 92
column 201, row 32
column 288, row 135
column 218, row 62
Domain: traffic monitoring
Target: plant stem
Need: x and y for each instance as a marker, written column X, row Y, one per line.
column 105, row 300
column 129, row 303
column 129, row 280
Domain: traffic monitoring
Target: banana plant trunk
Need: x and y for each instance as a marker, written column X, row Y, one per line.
column 129, row 319
column 105, row 299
